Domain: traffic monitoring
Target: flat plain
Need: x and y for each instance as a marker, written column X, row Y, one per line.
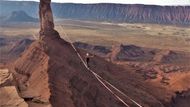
column 108, row 34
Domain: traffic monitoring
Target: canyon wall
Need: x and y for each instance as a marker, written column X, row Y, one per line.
column 132, row 13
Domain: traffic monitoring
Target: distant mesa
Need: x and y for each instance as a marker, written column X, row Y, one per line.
column 2, row 18
column 176, row 57
column 96, row 49
column 122, row 13
column 136, row 53
column 21, row 16
column 119, row 53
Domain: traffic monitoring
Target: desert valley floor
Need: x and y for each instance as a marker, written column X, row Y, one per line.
column 154, row 58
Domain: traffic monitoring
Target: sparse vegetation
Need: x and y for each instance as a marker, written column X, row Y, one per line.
column 145, row 35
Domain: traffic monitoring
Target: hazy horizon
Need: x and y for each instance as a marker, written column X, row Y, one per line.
column 146, row 2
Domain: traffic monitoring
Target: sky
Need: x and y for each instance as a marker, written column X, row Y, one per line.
column 155, row 2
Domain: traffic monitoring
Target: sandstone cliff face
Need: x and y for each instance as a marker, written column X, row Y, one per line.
column 177, row 15
column 6, row 78
column 10, row 98
column 53, row 74
column 126, row 13
column 21, row 16
column 8, row 93
column 46, row 17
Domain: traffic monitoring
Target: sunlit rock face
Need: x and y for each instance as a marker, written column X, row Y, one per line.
column 6, row 78
column 10, row 98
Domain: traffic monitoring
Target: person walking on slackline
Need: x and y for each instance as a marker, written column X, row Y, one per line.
column 88, row 56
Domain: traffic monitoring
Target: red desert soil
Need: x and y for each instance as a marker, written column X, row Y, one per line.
column 42, row 62
column 49, row 72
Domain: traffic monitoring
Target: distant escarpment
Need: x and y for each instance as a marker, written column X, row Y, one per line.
column 21, row 16
column 126, row 13
column 130, row 13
